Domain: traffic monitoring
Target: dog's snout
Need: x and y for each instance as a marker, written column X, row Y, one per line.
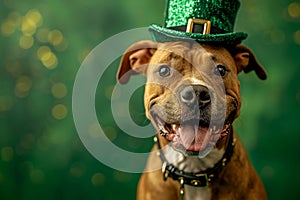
column 191, row 95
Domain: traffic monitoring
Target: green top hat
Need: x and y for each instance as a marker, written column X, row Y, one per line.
column 200, row 20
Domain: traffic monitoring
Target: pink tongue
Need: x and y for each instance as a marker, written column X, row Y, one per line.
column 193, row 138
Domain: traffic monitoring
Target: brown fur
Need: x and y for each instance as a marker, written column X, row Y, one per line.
column 238, row 180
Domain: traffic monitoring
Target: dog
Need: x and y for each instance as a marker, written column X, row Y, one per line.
column 192, row 97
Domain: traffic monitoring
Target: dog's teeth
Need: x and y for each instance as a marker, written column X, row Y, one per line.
column 227, row 126
column 214, row 128
column 160, row 127
column 175, row 139
column 174, row 126
column 179, row 129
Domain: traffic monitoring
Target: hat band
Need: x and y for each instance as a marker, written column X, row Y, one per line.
column 198, row 26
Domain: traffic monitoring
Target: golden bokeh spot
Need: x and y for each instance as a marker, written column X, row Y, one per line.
column 31, row 21
column 5, row 103
column 111, row 133
column 42, row 51
column 77, row 170
column 47, row 57
column 8, row 27
column 294, row 10
column 297, row 37
column 59, row 111
column 55, row 37
column 10, row 24
column 42, row 35
column 28, row 26
column 98, row 179
column 23, row 85
column 26, row 42
column 34, row 16
column 59, row 90
column 50, row 61
column 7, row 154
column 108, row 91
column 20, row 94
column 94, row 131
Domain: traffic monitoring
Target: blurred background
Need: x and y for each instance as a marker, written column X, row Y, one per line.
column 42, row 45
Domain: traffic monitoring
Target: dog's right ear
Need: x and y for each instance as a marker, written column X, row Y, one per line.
column 135, row 60
column 246, row 61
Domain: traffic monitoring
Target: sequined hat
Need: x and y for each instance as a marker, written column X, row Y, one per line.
column 200, row 20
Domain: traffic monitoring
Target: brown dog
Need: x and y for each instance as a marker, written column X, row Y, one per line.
column 192, row 97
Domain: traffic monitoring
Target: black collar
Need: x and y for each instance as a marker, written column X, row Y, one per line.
column 200, row 179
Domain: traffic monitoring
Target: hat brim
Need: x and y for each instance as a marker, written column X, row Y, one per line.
column 161, row 34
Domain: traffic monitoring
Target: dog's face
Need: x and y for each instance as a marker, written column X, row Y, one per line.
column 189, row 95
column 192, row 91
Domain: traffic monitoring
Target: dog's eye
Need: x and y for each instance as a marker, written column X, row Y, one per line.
column 164, row 71
column 220, row 70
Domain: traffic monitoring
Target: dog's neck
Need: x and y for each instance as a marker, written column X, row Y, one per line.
column 193, row 164
column 182, row 167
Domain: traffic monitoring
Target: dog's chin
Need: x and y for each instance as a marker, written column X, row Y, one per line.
column 192, row 137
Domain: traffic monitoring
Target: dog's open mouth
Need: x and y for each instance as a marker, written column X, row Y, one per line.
column 191, row 136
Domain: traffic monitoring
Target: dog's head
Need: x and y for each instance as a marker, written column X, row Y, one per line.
column 192, row 91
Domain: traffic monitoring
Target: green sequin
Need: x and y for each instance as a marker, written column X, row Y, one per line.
column 221, row 13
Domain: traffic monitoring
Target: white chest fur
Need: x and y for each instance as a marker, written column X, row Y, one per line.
column 194, row 164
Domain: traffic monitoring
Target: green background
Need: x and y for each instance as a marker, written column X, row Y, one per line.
column 42, row 44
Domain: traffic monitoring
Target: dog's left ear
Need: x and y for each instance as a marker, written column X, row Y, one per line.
column 246, row 61
column 135, row 60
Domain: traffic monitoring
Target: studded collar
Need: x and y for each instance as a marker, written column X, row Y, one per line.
column 199, row 179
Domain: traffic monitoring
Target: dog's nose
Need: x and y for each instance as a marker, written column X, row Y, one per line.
column 193, row 94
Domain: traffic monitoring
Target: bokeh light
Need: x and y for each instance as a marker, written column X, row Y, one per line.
column 23, row 86
column 10, row 24
column 55, row 37
column 98, row 179
column 31, row 21
column 77, row 169
column 26, row 42
column 297, row 37
column 59, row 90
column 7, row 154
column 5, row 103
column 59, row 111
column 47, row 57
column 294, row 10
